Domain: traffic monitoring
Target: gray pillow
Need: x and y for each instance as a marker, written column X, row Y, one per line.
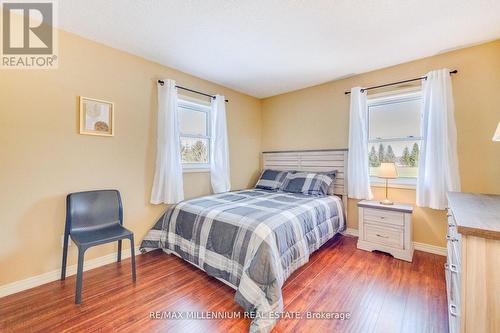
column 271, row 179
column 310, row 183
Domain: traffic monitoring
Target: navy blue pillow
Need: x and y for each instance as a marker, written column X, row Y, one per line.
column 308, row 183
column 271, row 179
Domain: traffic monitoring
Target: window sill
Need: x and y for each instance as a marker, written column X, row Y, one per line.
column 408, row 184
column 400, row 186
column 195, row 170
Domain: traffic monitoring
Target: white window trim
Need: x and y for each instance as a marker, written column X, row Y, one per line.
column 191, row 169
column 199, row 106
column 408, row 183
column 387, row 98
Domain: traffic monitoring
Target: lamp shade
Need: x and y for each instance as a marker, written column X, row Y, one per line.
column 496, row 136
column 387, row 170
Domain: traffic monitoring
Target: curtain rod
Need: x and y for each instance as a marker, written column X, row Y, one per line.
column 191, row 90
column 399, row 82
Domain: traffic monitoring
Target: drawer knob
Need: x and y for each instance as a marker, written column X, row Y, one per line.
column 453, row 310
column 378, row 235
column 382, row 217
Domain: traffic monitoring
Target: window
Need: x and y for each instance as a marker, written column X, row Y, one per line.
column 394, row 134
column 194, row 123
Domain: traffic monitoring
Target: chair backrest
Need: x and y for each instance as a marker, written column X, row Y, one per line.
column 93, row 209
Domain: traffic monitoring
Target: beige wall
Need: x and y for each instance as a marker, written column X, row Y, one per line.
column 42, row 156
column 318, row 117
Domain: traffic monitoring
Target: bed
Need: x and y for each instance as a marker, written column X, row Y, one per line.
column 253, row 240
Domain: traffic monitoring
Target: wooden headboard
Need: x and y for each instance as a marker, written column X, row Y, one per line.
column 312, row 160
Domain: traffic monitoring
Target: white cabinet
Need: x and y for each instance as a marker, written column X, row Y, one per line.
column 386, row 228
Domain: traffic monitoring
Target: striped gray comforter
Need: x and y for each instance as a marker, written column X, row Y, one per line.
column 252, row 239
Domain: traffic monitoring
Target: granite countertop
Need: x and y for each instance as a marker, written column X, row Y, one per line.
column 476, row 214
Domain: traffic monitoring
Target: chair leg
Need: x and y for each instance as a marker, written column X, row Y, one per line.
column 132, row 256
column 79, row 276
column 65, row 257
column 119, row 250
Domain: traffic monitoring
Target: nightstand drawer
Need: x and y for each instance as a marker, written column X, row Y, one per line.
column 384, row 235
column 384, row 216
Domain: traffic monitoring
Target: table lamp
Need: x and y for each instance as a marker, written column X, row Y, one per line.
column 388, row 171
column 496, row 136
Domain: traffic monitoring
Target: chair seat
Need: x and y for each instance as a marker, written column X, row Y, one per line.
column 98, row 236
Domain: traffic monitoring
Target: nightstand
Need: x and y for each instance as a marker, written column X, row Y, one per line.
column 386, row 228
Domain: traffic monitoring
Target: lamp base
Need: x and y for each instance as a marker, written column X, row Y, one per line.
column 386, row 202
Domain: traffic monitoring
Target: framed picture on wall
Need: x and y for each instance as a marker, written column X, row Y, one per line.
column 96, row 117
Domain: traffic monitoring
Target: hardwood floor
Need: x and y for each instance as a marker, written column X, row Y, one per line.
column 382, row 294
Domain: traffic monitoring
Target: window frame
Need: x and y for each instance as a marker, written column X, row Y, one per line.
column 393, row 97
column 197, row 106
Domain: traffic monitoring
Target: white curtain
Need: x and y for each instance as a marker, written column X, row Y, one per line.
column 168, row 182
column 358, row 177
column 438, row 163
column 219, row 150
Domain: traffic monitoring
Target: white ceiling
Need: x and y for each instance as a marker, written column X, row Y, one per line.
column 268, row 47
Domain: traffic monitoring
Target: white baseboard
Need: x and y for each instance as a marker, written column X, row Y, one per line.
column 416, row 245
column 442, row 251
column 351, row 232
column 34, row 281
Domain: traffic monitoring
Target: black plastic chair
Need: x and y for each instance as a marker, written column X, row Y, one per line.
column 94, row 218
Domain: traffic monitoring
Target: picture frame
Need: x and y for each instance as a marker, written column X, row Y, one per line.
column 96, row 117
